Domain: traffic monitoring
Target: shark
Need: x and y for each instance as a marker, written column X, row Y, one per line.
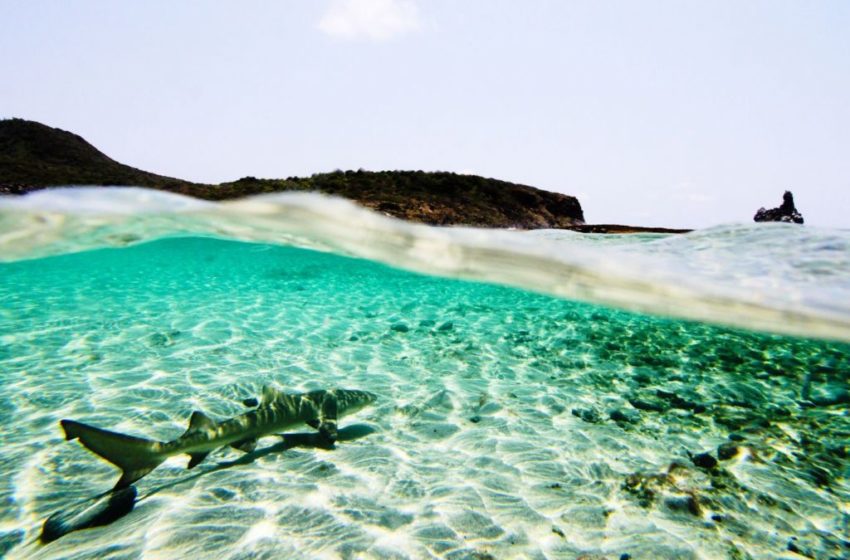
column 275, row 412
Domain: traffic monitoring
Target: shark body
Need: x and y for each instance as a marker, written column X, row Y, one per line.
column 276, row 412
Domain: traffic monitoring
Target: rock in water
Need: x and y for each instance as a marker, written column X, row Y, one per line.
column 101, row 510
column 785, row 213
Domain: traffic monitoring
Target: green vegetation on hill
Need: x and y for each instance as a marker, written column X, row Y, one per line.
column 35, row 156
column 429, row 197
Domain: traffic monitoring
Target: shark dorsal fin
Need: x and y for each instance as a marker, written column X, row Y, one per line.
column 196, row 458
column 270, row 394
column 199, row 421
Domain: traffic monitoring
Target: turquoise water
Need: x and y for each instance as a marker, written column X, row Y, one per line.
column 509, row 423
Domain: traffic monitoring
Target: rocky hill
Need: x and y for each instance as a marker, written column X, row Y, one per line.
column 35, row 156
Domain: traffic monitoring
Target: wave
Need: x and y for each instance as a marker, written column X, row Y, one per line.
column 775, row 278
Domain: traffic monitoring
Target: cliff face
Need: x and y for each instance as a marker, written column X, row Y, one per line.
column 34, row 156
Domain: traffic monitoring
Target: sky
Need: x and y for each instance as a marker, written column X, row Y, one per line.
column 661, row 113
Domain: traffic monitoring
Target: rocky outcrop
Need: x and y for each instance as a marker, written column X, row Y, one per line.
column 784, row 213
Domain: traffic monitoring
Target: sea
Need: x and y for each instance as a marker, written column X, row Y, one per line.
column 540, row 394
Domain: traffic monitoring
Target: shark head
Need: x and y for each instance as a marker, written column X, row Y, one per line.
column 350, row 401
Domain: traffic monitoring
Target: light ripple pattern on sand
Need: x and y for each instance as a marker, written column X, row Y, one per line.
column 493, row 433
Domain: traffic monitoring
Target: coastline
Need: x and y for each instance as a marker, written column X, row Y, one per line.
column 34, row 156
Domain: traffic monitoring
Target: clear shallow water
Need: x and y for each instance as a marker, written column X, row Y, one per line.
column 508, row 423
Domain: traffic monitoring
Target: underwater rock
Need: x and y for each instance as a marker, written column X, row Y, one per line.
column 819, row 476
column 400, row 327
column 837, row 450
column 686, row 503
column 738, row 419
column 649, row 404
column 677, row 401
column 224, row 494
column 642, row 378
column 557, row 530
column 588, row 415
column 829, row 394
column 445, row 327
column 624, row 416
column 784, row 213
column 643, row 487
column 817, row 544
column 704, row 461
column 101, row 510
column 726, row 451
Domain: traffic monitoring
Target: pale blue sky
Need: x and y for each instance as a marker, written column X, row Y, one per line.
column 671, row 113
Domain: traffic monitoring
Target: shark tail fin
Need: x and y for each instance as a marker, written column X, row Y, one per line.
column 135, row 456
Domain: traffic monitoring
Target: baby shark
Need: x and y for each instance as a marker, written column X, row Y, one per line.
column 276, row 412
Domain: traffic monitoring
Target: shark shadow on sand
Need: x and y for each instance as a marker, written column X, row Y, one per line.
column 114, row 504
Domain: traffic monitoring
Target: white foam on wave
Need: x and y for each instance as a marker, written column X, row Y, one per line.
column 775, row 278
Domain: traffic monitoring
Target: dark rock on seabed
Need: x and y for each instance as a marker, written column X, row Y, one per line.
column 34, row 156
column 726, row 451
column 589, row 415
column 704, row 461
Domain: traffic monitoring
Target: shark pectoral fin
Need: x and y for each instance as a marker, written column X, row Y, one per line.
column 269, row 395
column 328, row 431
column 196, row 458
column 246, row 445
column 199, row 420
column 327, row 427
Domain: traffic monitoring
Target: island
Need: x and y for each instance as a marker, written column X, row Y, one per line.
column 35, row 156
